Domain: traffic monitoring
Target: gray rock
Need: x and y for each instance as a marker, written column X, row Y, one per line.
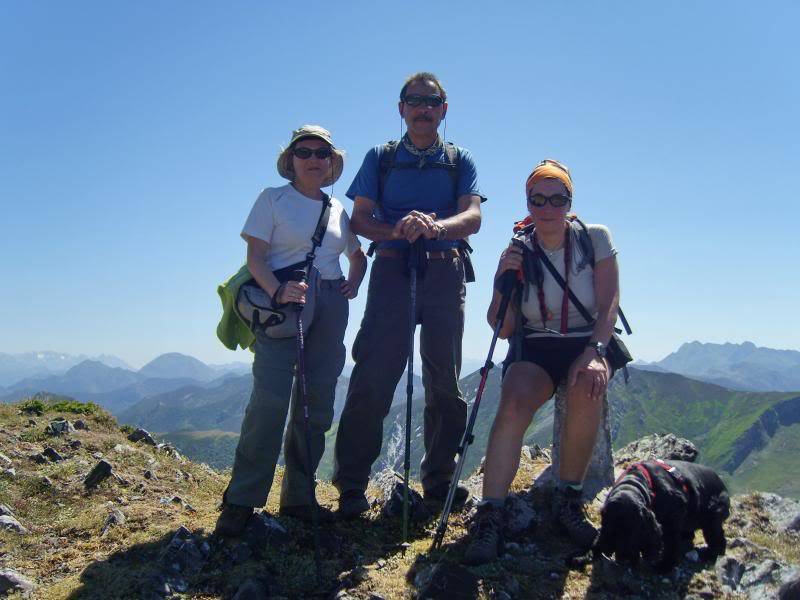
column 519, row 513
column 264, row 531
column 665, row 446
column 729, row 571
column 101, row 471
column 9, row 523
column 600, row 473
column 783, row 512
column 9, row 473
column 392, row 488
column 60, row 427
column 75, row 444
column 142, row 435
column 117, row 517
column 185, row 553
column 39, row 458
column 11, row 581
column 5, row 461
column 252, row 589
column 81, row 424
column 51, row 455
column 766, row 572
column 148, row 474
column 536, row 452
column 5, row 511
column 46, row 481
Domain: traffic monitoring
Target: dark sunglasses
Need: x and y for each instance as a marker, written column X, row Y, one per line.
column 429, row 101
column 557, row 200
column 304, row 153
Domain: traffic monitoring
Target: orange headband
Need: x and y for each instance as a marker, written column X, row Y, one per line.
column 549, row 169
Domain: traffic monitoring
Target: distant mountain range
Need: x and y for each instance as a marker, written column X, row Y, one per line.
column 743, row 366
column 117, row 388
column 16, row 367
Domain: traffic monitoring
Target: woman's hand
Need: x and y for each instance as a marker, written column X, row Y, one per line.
column 510, row 260
column 293, row 291
column 348, row 290
column 594, row 369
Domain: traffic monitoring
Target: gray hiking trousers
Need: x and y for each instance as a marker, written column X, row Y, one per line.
column 264, row 419
column 380, row 352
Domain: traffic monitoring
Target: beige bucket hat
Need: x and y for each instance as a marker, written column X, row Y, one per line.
column 285, row 169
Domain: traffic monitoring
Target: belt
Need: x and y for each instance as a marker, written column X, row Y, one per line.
column 431, row 254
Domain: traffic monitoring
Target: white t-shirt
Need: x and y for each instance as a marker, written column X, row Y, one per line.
column 286, row 220
column 581, row 282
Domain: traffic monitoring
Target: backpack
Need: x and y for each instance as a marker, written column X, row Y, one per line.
column 532, row 272
column 387, row 164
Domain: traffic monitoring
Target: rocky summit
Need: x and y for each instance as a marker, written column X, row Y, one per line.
column 114, row 513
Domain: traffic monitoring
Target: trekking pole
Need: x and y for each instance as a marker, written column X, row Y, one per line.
column 413, row 265
column 300, row 275
column 506, row 285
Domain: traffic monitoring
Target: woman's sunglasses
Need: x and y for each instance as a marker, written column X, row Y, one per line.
column 557, row 200
column 429, row 101
column 304, row 153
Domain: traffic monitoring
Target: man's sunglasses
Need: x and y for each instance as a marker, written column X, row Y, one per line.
column 557, row 200
column 304, row 153
column 429, row 101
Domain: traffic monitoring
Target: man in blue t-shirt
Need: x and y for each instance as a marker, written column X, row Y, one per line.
column 416, row 188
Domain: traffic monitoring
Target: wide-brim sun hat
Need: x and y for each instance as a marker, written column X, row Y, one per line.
column 285, row 168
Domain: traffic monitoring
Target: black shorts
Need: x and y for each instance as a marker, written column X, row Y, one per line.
column 554, row 354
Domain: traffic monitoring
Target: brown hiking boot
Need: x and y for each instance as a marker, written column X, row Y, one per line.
column 439, row 495
column 352, row 504
column 232, row 520
column 569, row 511
column 305, row 513
column 486, row 535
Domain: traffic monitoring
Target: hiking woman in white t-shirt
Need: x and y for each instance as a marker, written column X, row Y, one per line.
column 278, row 232
column 557, row 346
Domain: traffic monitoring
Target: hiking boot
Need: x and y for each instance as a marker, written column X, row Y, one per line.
column 304, row 513
column 439, row 494
column 570, row 513
column 352, row 504
column 232, row 520
column 486, row 536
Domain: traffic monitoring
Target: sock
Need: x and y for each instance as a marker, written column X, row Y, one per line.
column 573, row 486
column 494, row 502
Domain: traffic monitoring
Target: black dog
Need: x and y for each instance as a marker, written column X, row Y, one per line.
column 654, row 509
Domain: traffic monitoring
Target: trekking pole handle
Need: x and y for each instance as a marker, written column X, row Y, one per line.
column 505, row 285
column 301, row 276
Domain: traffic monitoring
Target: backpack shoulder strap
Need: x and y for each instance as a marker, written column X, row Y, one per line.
column 453, row 155
column 385, row 165
column 584, row 239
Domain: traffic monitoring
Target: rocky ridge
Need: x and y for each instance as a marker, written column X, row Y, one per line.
column 120, row 515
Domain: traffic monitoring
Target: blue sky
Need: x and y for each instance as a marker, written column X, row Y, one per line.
column 135, row 137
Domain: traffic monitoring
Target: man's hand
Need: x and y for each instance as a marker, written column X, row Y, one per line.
column 414, row 225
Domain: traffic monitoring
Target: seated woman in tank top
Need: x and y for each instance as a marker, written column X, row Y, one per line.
column 557, row 346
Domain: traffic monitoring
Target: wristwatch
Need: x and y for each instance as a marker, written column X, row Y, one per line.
column 599, row 347
column 441, row 232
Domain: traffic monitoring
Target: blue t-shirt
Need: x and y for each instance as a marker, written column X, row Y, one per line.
column 406, row 189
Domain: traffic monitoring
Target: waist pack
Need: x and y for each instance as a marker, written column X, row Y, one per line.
column 257, row 309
